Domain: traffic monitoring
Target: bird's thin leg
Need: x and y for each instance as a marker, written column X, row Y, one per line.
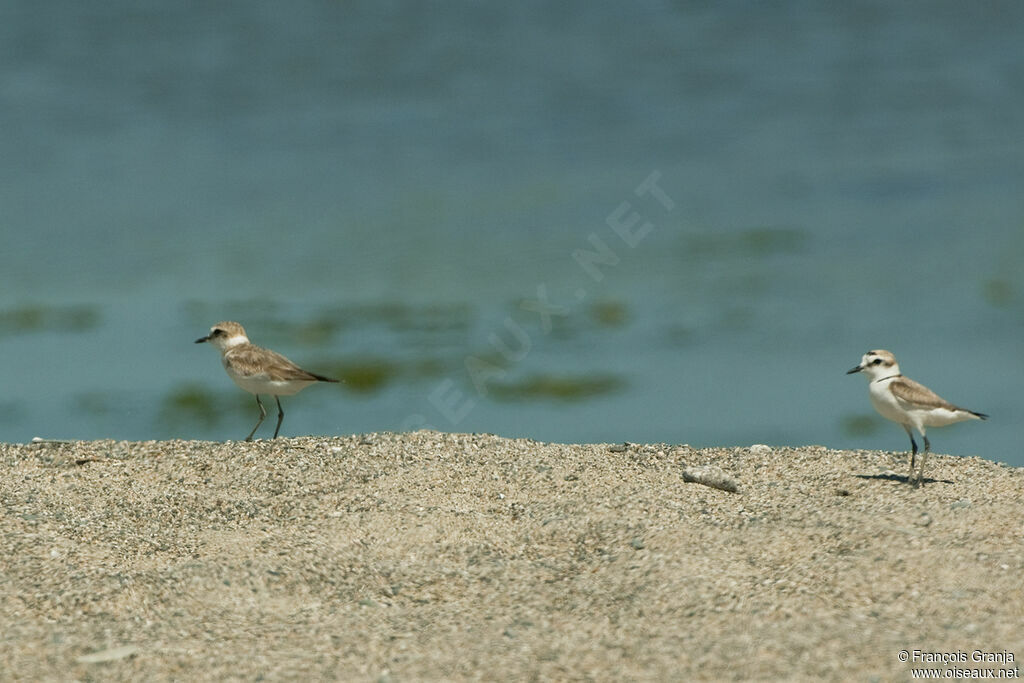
column 913, row 452
column 924, row 456
column 280, row 416
column 263, row 414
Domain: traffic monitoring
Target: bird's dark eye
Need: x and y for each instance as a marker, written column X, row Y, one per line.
column 876, row 361
column 218, row 332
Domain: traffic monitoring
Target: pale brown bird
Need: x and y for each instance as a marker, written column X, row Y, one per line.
column 258, row 370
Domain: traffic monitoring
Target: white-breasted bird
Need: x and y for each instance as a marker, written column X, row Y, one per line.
column 907, row 402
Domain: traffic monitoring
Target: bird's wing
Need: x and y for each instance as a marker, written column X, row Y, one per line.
column 250, row 360
column 912, row 395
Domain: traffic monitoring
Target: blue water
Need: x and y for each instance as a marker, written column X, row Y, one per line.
column 380, row 189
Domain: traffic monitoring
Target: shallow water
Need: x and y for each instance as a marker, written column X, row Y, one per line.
column 425, row 203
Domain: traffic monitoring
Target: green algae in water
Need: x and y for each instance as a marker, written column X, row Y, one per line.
column 610, row 313
column 44, row 318
column 860, row 425
column 366, row 375
column 999, row 292
column 426, row 368
column 557, row 387
column 266, row 326
column 772, row 240
column 764, row 241
column 191, row 404
column 400, row 317
column 93, row 403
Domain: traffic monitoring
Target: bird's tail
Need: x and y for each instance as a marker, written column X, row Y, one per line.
column 980, row 416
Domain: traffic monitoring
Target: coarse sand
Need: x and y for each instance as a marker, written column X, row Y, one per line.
column 432, row 556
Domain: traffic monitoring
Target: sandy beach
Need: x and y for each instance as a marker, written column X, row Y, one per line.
column 429, row 556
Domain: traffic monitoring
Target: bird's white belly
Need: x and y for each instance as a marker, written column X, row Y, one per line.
column 940, row 417
column 886, row 405
column 261, row 384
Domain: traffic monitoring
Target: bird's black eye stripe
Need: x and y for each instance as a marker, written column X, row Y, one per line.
column 217, row 332
column 876, row 361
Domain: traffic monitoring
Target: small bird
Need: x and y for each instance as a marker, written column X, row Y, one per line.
column 258, row 370
column 903, row 400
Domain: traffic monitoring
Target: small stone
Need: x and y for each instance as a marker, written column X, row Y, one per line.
column 710, row 475
column 760, row 449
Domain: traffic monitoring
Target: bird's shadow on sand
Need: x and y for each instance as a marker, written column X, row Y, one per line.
column 903, row 479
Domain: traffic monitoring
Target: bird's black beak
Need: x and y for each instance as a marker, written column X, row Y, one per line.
column 848, row 372
column 203, row 339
